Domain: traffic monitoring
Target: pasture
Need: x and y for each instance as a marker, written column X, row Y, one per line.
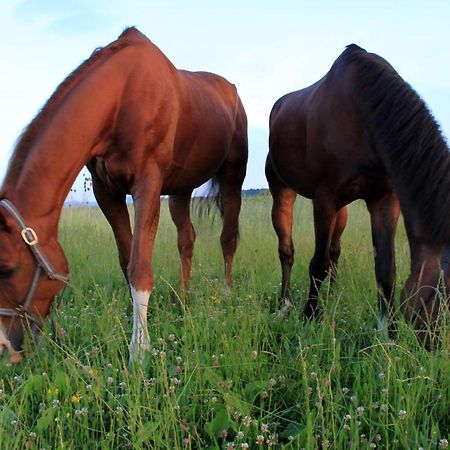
column 225, row 372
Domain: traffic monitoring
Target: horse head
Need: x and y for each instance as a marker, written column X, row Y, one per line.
column 28, row 282
column 426, row 295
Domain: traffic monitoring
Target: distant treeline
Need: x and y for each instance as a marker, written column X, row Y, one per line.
column 254, row 192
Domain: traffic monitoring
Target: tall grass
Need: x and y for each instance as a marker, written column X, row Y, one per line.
column 225, row 371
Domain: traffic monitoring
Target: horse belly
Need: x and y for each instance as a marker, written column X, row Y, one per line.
column 191, row 169
column 293, row 172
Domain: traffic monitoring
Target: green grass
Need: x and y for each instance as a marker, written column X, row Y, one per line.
column 224, row 369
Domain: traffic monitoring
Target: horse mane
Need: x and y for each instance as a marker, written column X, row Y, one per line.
column 25, row 140
column 407, row 139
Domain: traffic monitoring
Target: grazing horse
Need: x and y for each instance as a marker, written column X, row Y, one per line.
column 143, row 128
column 361, row 132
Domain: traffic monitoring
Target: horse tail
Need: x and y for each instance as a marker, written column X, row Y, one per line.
column 210, row 201
column 407, row 139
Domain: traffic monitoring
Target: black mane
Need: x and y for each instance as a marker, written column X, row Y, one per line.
column 408, row 140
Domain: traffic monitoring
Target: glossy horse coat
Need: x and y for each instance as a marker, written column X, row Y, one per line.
column 142, row 127
column 361, row 132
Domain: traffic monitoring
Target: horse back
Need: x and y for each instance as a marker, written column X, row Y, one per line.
column 181, row 122
column 316, row 131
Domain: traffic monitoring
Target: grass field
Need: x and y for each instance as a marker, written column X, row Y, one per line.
column 225, row 372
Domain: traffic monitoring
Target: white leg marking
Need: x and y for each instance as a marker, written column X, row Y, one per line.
column 381, row 323
column 140, row 341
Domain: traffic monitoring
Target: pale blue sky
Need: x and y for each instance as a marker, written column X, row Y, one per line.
column 266, row 48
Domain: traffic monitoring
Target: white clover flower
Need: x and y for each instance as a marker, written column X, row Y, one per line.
column 246, row 421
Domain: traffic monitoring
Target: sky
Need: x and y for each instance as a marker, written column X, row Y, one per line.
column 266, row 48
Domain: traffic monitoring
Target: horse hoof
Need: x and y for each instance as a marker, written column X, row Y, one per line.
column 286, row 306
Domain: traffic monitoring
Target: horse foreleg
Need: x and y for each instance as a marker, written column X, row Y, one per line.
column 335, row 247
column 179, row 206
column 325, row 215
column 282, row 220
column 140, row 274
column 384, row 213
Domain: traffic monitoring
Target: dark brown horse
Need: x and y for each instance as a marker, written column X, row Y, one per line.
column 361, row 132
column 142, row 127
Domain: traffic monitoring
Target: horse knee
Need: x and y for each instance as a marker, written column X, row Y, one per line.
column 286, row 255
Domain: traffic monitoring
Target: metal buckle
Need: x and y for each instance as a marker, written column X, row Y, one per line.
column 29, row 236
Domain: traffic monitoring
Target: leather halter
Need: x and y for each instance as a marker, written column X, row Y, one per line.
column 43, row 264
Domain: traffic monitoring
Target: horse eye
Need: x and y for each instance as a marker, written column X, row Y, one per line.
column 5, row 273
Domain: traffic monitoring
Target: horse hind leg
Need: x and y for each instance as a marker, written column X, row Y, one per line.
column 231, row 177
column 325, row 216
column 114, row 207
column 283, row 200
column 179, row 206
column 335, row 247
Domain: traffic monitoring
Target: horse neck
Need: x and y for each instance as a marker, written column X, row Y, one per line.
column 54, row 159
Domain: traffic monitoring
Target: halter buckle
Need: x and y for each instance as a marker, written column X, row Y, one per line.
column 29, row 236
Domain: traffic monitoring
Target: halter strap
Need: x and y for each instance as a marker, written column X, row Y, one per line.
column 30, row 238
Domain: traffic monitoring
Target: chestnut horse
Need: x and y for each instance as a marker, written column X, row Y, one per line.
column 361, row 132
column 143, row 128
